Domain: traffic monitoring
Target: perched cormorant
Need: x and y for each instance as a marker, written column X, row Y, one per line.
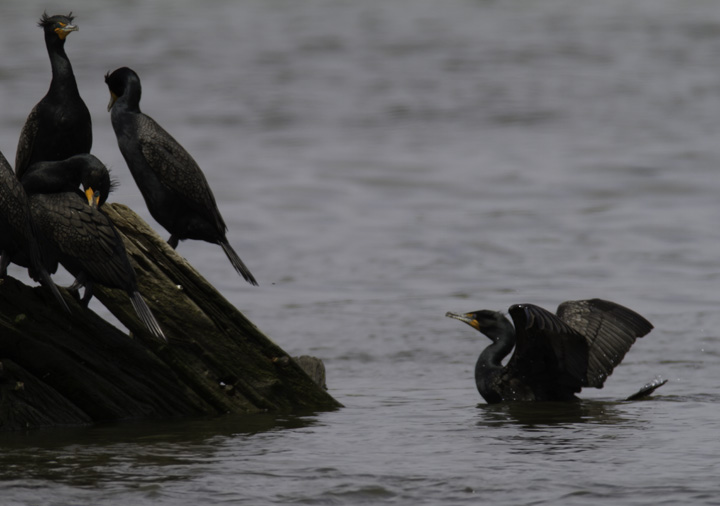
column 555, row 355
column 59, row 125
column 173, row 186
column 18, row 242
column 81, row 236
column 68, row 175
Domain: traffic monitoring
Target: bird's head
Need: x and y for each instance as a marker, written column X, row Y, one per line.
column 59, row 25
column 491, row 323
column 93, row 197
column 96, row 180
column 121, row 81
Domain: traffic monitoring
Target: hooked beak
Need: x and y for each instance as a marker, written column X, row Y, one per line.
column 465, row 318
column 93, row 197
column 64, row 31
column 113, row 98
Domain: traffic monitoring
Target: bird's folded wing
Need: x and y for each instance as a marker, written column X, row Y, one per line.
column 177, row 169
column 25, row 143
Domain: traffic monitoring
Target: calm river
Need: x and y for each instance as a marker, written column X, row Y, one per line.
column 381, row 162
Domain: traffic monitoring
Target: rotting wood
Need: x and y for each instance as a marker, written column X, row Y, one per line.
column 68, row 369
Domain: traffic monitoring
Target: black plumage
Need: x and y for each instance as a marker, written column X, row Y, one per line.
column 174, row 188
column 59, row 126
column 69, row 175
column 81, row 237
column 18, row 239
column 555, row 355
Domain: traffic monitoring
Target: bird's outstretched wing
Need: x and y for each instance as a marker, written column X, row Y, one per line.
column 547, row 350
column 177, row 169
column 609, row 329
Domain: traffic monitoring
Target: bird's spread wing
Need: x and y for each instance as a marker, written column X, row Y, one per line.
column 609, row 329
column 547, row 349
column 177, row 169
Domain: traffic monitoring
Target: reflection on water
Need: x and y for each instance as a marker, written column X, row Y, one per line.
column 529, row 415
column 168, row 431
column 88, row 455
column 566, row 431
column 382, row 161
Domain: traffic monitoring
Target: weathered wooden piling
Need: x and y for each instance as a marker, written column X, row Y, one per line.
column 68, row 369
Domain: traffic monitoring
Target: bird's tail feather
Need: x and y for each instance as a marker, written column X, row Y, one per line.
column 237, row 263
column 144, row 313
column 37, row 265
column 47, row 281
column 4, row 262
column 647, row 389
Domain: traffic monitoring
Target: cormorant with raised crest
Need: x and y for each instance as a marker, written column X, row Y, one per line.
column 59, row 126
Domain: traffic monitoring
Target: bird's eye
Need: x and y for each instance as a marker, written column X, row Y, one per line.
column 62, row 25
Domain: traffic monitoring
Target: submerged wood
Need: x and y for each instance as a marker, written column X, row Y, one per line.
column 68, row 369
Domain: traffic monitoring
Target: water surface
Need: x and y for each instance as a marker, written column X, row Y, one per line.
column 379, row 163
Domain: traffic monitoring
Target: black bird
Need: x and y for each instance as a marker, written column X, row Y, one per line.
column 174, row 188
column 79, row 234
column 18, row 240
column 59, row 126
column 555, row 355
column 68, row 176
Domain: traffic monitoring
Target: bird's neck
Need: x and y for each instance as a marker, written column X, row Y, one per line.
column 491, row 357
column 50, row 177
column 489, row 366
column 129, row 102
column 63, row 79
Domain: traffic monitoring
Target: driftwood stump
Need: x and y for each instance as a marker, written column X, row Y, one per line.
column 68, row 369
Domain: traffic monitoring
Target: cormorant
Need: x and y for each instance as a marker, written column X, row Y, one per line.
column 68, row 175
column 59, row 126
column 18, row 241
column 81, row 236
column 555, row 355
column 173, row 186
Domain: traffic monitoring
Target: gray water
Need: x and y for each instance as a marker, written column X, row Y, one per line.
column 381, row 162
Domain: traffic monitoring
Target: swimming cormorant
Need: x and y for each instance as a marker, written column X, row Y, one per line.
column 18, row 241
column 555, row 355
column 81, row 236
column 173, row 186
column 59, row 126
